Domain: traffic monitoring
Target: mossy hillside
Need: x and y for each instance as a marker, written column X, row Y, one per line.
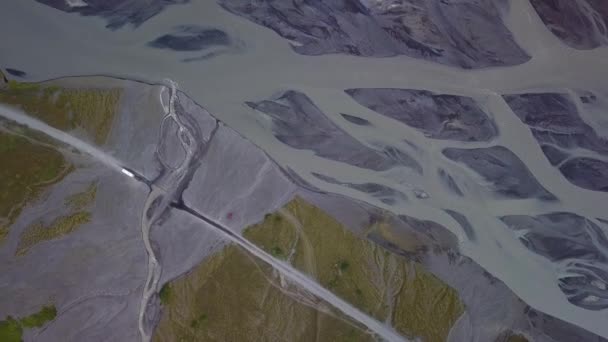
column 380, row 283
column 228, row 298
column 27, row 169
column 90, row 109
column 11, row 330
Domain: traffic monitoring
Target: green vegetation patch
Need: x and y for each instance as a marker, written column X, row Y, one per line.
column 90, row 109
column 22, row 86
column 27, row 169
column 510, row 336
column 38, row 319
column 80, row 200
column 277, row 252
column 198, row 322
column 517, row 338
column 31, row 166
column 425, row 306
column 11, row 330
column 3, row 80
column 165, row 294
column 343, row 265
column 4, row 230
column 274, row 235
column 61, row 226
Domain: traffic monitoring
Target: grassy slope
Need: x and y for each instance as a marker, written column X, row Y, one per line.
column 27, row 169
column 227, row 297
column 92, row 110
column 30, row 167
column 376, row 281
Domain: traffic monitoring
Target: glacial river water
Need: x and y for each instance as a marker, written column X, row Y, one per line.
column 47, row 43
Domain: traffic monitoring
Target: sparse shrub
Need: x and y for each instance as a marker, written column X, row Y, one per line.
column 165, row 294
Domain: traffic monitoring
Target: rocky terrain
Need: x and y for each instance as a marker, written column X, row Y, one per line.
column 557, row 125
column 117, row 13
column 338, row 170
column 438, row 116
column 392, row 268
column 581, row 24
column 468, row 34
